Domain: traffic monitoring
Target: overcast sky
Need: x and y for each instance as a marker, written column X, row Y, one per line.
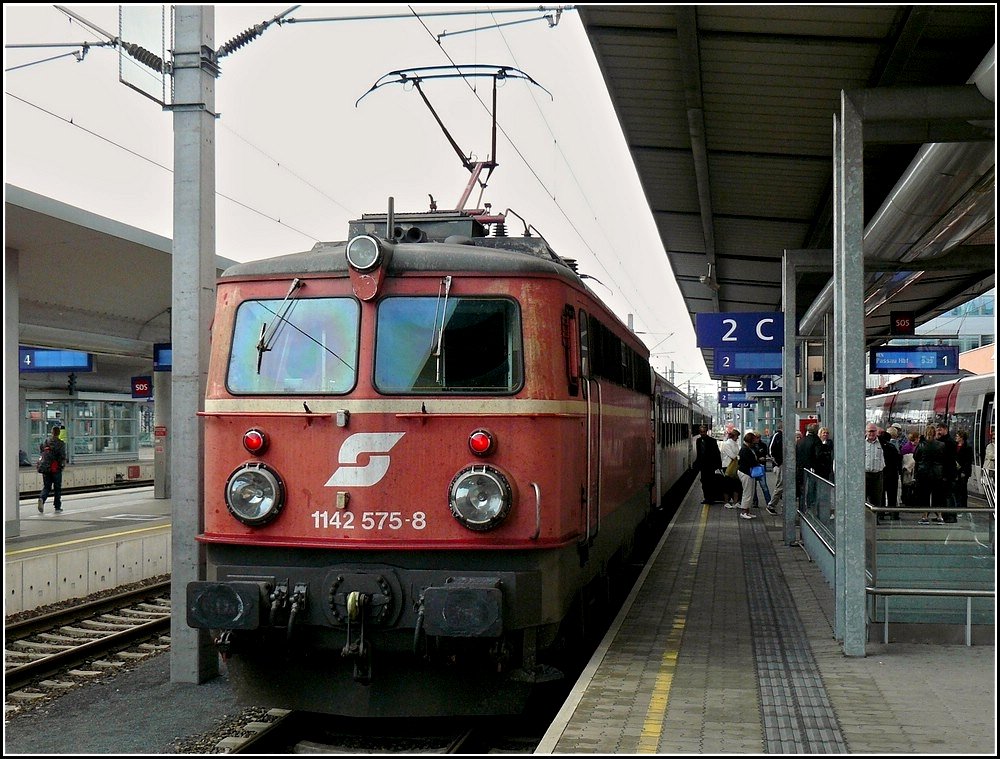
column 297, row 159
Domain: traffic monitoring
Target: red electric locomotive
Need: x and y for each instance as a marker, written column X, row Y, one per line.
column 428, row 449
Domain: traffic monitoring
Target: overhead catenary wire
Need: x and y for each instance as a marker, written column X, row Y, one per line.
column 243, row 40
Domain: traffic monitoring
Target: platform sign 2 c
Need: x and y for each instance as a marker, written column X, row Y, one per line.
column 742, row 331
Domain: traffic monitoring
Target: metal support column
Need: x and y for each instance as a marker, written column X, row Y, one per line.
column 193, row 658
column 849, row 376
column 793, row 263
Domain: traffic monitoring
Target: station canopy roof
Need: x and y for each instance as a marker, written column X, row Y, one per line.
column 728, row 111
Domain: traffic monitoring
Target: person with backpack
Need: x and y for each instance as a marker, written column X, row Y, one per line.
column 760, row 448
column 51, row 462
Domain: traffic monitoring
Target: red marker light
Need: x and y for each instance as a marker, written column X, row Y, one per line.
column 254, row 441
column 480, row 442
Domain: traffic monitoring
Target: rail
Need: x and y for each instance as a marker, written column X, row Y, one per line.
column 967, row 593
column 989, row 481
column 976, row 530
column 886, row 592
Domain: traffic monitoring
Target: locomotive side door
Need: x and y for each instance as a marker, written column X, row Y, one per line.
column 592, row 394
column 983, row 434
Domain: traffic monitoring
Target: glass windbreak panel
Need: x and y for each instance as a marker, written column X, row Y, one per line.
column 816, row 503
column 428, row 345
column 301, row 346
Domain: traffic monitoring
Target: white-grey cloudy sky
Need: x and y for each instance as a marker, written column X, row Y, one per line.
column 296, row 159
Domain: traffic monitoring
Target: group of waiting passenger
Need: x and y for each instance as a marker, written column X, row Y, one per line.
column 731, row 474
column 933, row 469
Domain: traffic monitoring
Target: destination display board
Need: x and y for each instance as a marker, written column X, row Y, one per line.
column 53, row 360
column 915, row 359
column 747, row 362
column 736, row 399
column 163, row 357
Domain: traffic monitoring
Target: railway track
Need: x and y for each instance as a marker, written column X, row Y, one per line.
column 108, row 486
column 289, row 732
column 52, row 652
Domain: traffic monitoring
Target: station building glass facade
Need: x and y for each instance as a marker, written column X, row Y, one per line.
column 99, row 427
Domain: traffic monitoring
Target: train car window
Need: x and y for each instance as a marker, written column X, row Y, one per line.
column 313, row 349
column 585, row 368
column 474, row 347
column 571, row 345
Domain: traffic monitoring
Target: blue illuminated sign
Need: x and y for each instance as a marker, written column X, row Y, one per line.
column 913, row 359
column 732, row 396
column 741, row 330
column 53, row 360
column 163, row 357
column 747, row 362
column 761, row 386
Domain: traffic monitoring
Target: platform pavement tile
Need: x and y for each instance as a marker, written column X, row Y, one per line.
column 681, row 747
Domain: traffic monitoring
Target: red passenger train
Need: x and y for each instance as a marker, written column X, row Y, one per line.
column 428, row 450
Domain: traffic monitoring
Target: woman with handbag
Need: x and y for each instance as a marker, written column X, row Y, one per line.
column 760, row 471
column 730, row 453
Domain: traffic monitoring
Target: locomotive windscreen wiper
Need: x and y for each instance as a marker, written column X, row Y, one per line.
column 446, row 286
column 269, row 331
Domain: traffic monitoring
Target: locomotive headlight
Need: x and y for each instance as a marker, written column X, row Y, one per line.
column 254, row 494
column 480, row 498
column 364, row 253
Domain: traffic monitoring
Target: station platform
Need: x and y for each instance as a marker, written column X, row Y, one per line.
column 726, row 646
column 100, row 541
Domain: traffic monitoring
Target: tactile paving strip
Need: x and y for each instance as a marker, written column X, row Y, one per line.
column 797, row 715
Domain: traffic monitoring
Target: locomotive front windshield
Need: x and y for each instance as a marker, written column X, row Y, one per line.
column 291, row 346
column 451, row 345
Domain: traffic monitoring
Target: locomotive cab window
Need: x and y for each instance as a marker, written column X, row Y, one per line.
column 452, row 345
column 305, row 345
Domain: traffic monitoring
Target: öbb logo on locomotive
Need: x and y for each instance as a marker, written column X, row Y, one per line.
column 351, row 473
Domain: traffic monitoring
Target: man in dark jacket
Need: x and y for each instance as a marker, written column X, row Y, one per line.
column 52, row 452
column 890, row 475
column 776, row 453
column 804, row 459
column 708, row 462
column 949, row 468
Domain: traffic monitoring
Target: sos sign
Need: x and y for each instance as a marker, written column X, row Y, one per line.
column 902, row 323
column 142, row 387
